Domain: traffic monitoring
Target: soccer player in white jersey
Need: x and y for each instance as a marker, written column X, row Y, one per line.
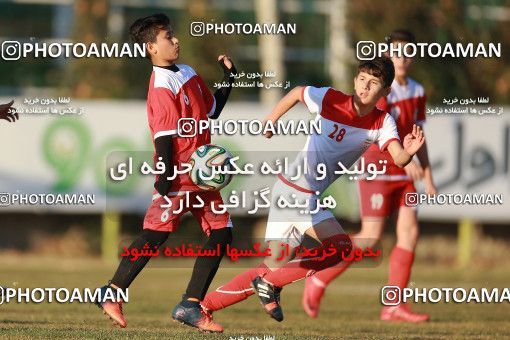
column 349, row 124
column 385, row 195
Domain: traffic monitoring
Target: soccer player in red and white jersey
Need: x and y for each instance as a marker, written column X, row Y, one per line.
column 176, row 91
column 349, row 125
column 384, row 195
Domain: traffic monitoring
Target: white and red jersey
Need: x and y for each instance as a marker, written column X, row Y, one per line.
column 344, row 135
column 175, row 93
column 406, row 104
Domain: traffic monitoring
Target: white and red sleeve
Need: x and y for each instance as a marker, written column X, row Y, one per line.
column 313, row 98
column 165, row 112
column 387, row 133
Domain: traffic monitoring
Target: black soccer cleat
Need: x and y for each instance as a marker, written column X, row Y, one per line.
column 269, row 297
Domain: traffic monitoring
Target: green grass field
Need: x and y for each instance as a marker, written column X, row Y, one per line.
column 350, row 308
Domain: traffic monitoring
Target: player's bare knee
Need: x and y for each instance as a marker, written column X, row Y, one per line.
column 369, row 235
column 407, row 238
column 366, row 240
column 413, row 234
column 410, row 232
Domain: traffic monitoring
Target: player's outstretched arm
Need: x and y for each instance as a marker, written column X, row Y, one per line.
column 414, row 171
column 284, row 105
column 423, row 157
column 8, row 113
column 412, row 143
column 221, row 94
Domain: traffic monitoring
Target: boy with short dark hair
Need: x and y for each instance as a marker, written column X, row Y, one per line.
column 349, row 125
column 386, row 194
column 176, row 91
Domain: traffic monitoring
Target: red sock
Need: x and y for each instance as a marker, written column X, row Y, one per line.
column 237, row 289
column 329, row 274
column 401, row 261
column 299, row 268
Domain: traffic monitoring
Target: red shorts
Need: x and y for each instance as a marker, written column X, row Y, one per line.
column 164, row 219
column 382, row 198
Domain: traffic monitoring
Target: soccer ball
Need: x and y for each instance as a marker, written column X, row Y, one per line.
column 202, row 161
